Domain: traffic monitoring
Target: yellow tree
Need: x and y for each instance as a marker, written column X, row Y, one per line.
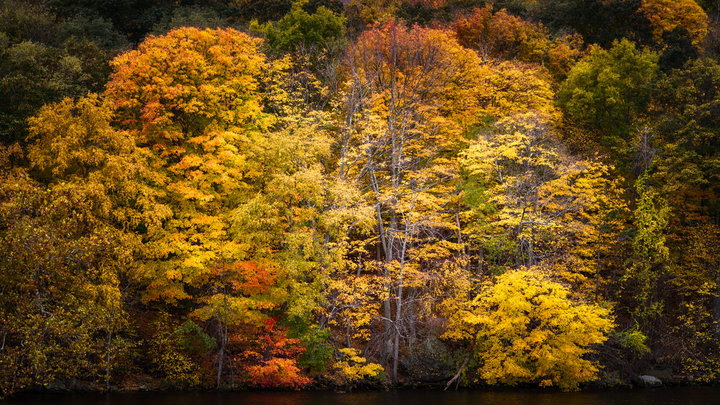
column 666, row 15
column 695, row 276
column 61, row 301
column 410, row 96
column 192, row 101
column 528, row 328
column 69, row 243
column 243, row 161
column 74, row 142
column 407, row 93
column 530, row 202
column 369, row 12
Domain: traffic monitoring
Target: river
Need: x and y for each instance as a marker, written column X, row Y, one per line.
column 655, row 396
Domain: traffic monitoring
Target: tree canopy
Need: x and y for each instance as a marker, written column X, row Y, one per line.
column 284, row 195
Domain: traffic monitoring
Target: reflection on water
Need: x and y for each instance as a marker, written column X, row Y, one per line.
column 659, row 396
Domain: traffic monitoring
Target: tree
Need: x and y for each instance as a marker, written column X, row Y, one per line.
column 74, row 146
column 666, row 15
column 301, row 215
column 323, row 29
column 73, row 142
column 677, row 215
column 60, row 297
column 407, row 94
column 684, row 171
column 68, row 246
column 211, row 77
column 272, row 360
column 43, row 59
column 241, row 161
column 501, row 35
column 678, row 49
column 262, row 10
column 236, row 296
column 527, row 328
column 191, row 99
column 190, row 16
column 178, row 351
column 687, row 132
column 356, row 369
column 609, row 89
column 506, row 88
column 133, row 18
column 336, row 6
column 646, row 273
column 528, row 202
column 505, row 36
column 411, row 96
column 363, row 13
column 695, row 275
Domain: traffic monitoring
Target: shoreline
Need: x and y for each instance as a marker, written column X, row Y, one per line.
column 81, row 387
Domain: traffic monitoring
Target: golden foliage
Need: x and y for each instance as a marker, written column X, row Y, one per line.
column 530, row 201
column 527, row 328
column 666, row 15
column 355, row 368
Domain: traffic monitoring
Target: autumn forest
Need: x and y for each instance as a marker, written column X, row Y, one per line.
column 326, row 194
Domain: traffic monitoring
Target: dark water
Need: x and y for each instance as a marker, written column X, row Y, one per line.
column 657, row 396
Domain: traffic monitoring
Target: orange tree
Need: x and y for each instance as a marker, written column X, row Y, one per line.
column 240, row 163
column 192, row 100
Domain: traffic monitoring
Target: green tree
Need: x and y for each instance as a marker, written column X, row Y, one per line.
column 687, row 132
column 647, row 271
column 262, row 10
column 322, row 29
column 44, row 58
column 608, row 90
column 190, row 16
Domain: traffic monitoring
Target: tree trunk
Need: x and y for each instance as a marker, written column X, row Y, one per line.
column 222, row 328
column 396, row 342
column 108, row 356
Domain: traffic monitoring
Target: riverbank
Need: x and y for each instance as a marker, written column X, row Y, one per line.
column 645, row 381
